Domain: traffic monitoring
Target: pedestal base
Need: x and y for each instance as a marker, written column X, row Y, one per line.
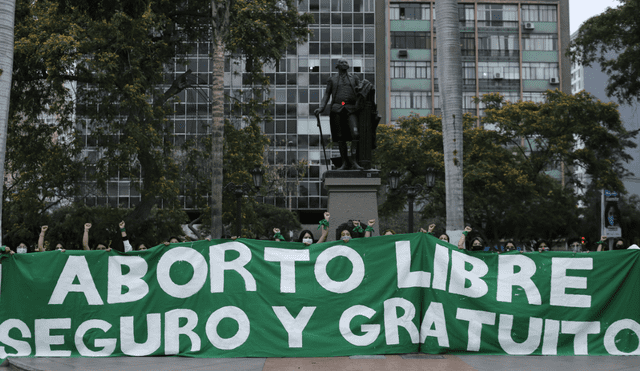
column 353, row 195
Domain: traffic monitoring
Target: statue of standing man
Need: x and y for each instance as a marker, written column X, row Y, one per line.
column 344, row 113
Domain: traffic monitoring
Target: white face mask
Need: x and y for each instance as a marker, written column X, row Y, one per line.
column 345, row 238
column 21, row 250
column 307, row 240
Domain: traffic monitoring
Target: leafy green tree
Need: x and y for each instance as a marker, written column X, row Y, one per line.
column 509, row 169
column 118, row 59
column 7, row 15
column 261, row 31
column 611, row 39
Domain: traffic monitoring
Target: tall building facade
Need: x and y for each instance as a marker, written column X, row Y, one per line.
column 592, row 80
column 512, row 47
column 341, row 29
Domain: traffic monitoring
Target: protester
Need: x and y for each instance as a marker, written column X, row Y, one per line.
column 619, row 244
column 22, row 248
column 388, row 232
column 277, row 236
column 306, row 237
column 125, row 238
column 542, row 246
column 462, row 240
column 444, row 237
column 510, row 246
column 6, row 250
column 324, row 225
column 477, row 244
column 85, row 240
column 429, row 229
column 41, row 247
column 601, row 243
column 357, row 227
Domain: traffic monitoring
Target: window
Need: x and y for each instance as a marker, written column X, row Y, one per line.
column 497, row 15
column 498, row 45
column 539, row 71
column 466, row 15
column 400, row 99
column 539, row 13
column 507, row 70
column 410, row 70
column 533, row 97
column 415, row 100
column 540, row 42
column 410, row 40
column 468, row 43
column 402, row 11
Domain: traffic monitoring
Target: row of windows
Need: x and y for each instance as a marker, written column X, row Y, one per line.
column 410, row 11
column 508, row 44
column 337, row 5
column 415, row 100
column 331, row 48
column 343, row 34
column 486, row 71
column 410, row 70
column 343, row 18
column 296, row 202
column 491, row 15
column 410, row 40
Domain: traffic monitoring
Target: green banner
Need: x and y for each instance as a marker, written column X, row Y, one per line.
column 378, row 295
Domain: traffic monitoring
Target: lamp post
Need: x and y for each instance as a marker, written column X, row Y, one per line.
column 241, row 190
column 411, row 191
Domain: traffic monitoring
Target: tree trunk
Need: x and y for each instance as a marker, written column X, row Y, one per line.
column 450, row 75
column 217, row 137
column 7, row 16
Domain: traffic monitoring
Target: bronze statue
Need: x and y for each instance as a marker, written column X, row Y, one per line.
column 348, row 95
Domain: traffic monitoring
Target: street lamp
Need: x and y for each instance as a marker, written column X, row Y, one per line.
column 241, row 190
column 412, row 191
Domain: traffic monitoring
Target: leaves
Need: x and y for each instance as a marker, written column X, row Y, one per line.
column 519, row 175
column 611, row 39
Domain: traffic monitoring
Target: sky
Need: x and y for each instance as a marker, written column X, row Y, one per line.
column 581, row 10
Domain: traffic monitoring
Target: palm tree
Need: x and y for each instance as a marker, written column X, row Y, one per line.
column 7, row 15
column 221, row 10
column 450, row 75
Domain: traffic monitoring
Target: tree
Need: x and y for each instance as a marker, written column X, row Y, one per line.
column 111, row 58
column 450, row 80
column 514, row 171
column 611, row 39
column 261, row 31
column 7, row 14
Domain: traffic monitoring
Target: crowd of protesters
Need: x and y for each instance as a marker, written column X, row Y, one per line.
column 344, row 232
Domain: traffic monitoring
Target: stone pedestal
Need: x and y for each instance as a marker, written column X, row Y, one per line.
column 353, row 195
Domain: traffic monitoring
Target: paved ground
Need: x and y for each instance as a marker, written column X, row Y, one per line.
column 406, row 362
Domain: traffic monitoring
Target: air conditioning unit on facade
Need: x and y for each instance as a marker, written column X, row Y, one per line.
column 529, row 26
column 497, row 76
column 554, row 81
column 402, row 53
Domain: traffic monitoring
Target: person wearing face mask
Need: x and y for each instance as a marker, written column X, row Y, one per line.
column 349, row 230
column 510, row 246
column 306, row 237
column 542, row 246
column 22, row 248
column 43, row 231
